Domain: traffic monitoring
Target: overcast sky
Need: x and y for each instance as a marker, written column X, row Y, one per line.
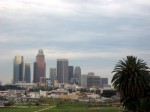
column 92, row 34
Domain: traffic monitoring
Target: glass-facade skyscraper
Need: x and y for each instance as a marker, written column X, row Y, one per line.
column 53, row 75
column 62, row 70
column 77, row 75
column 18, row 69
column 39, row 67
column 27, row 77
column 70, row 73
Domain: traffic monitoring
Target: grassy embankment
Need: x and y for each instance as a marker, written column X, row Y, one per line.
column 64, row 106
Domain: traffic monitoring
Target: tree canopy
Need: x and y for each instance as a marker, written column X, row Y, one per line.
column 131, row 78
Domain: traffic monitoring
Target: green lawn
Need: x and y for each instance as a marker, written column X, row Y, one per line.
column 82, row 107
column 18, row 109
column 97, row 109
column 64, row 106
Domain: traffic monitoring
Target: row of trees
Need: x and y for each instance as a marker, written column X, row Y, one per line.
column 11, row 87
column 132, row 80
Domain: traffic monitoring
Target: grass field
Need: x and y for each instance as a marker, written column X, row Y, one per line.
column 66, row 107
column 18, row 109
column 97, row 109
column 62, row 106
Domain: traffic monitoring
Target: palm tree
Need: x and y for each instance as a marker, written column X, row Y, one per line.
column 131, row 78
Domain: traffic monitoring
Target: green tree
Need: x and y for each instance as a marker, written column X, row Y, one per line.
column 9, row 103
column 131, row 80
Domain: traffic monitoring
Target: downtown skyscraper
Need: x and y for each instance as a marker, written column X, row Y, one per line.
column 17, row 69
column 77, row 75
column 62, row 70
column 25, row 72
column 53, row 75
column 70, row 73
column 21, row 71
column 39, row 67
column 27, row 77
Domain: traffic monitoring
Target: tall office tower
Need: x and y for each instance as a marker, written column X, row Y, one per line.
column 77, row 75
column 70, row 73
column 53, row 75
column 62, row 70
column 22, row 76
column 27, row 74
column 39, row 67
column 18, row 69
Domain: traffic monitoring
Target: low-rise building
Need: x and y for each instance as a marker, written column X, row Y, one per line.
column 34, row 95
column 26, row 85
column 93, row 81
column 103, row 82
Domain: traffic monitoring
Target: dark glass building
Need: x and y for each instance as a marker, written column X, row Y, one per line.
column 27, row 77
column 17, row 69
column 62, row 70
column 70, row 73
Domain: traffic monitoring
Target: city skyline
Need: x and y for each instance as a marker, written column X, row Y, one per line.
column 91, row 34
column 63, row 73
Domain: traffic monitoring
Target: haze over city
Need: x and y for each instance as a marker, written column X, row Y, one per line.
column 92, row 34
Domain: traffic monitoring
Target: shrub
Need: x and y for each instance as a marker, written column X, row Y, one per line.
column 37, row 104
column 10, row 103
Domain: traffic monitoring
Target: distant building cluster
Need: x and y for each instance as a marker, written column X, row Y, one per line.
column 63, row 73
column 90, row 80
